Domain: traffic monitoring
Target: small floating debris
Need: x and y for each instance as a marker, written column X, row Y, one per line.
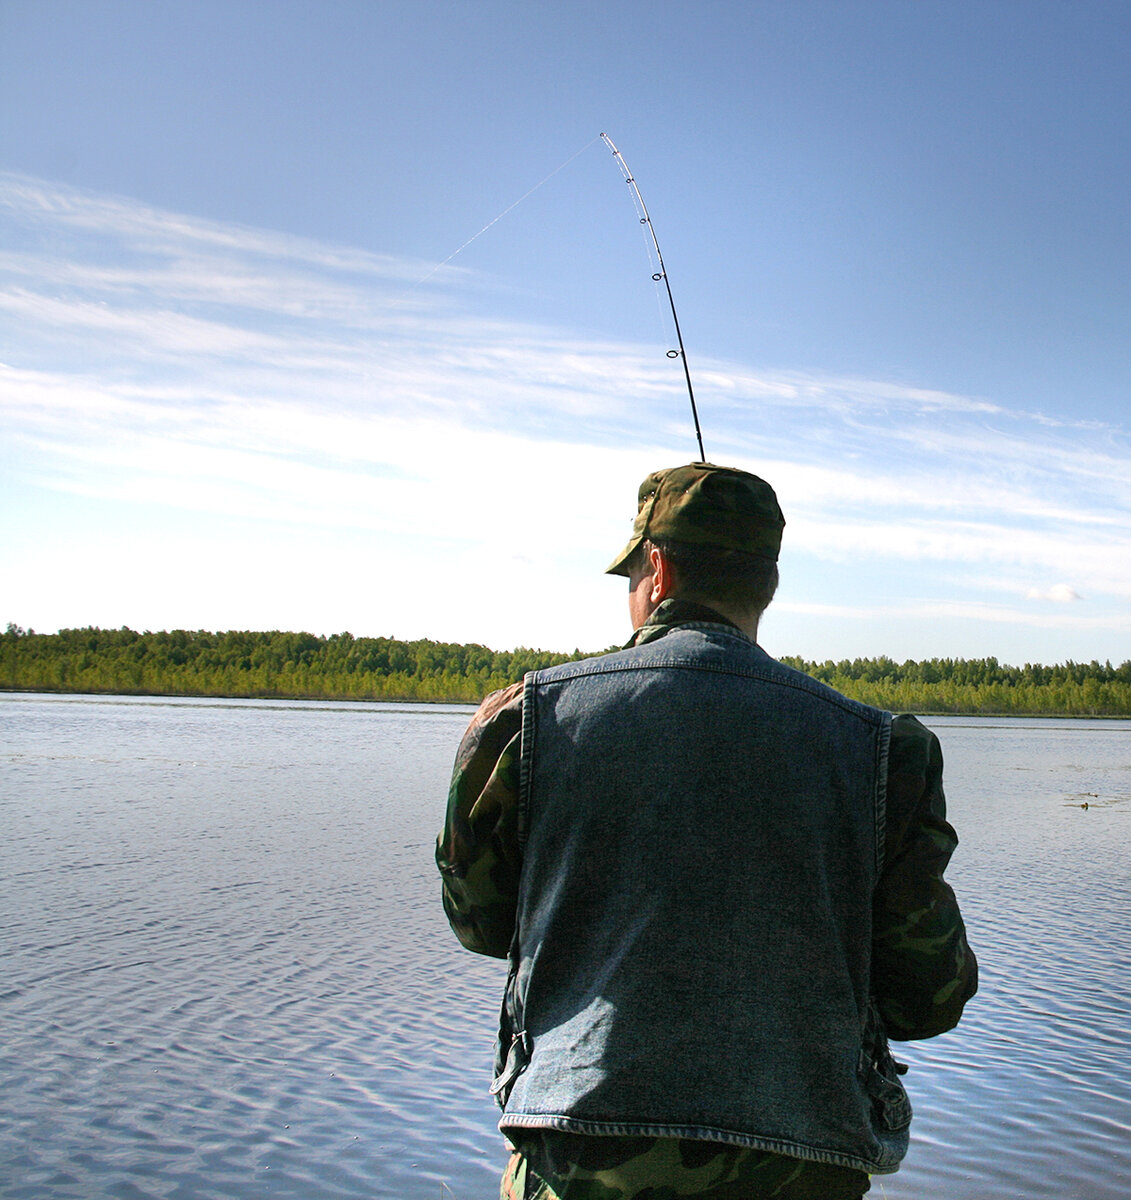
column 1087, row 800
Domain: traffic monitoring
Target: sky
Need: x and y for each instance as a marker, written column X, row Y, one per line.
column 340, row 316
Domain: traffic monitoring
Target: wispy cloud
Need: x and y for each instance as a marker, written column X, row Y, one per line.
column 978, row 612
column 169, row 363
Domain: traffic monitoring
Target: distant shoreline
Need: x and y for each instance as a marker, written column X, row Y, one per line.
column 471, row 704
column 275, row 665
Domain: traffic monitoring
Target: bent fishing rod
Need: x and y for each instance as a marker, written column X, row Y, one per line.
column 662, row 274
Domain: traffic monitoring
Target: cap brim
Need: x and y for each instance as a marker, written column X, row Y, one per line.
column 619, row 565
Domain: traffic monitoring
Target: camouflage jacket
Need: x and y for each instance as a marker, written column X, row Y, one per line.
column 923, row 969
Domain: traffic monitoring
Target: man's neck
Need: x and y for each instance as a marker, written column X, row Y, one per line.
column 680, row 609
column 740, row 618
column 748, row 625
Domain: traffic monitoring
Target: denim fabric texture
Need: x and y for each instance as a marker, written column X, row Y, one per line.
column 702, row 830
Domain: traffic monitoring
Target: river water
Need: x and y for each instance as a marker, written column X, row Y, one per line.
column 224, row 971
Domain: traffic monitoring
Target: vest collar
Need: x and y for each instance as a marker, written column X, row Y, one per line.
column 672, row 613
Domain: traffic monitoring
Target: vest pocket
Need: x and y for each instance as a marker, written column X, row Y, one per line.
column 517, row 1060
column 513, row 1046
column 879, row 1073
column 889, row 1100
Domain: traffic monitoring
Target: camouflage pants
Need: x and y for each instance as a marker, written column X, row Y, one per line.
column 554, row 1166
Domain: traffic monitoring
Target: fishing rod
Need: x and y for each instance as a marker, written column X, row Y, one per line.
column 662, row 274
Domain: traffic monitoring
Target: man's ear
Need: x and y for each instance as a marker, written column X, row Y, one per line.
column 662, row 577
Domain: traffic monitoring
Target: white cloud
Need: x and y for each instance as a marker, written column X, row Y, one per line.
column 1059, row 593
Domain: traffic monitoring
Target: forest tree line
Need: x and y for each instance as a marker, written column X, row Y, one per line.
column 341, row 667
column 241, row 663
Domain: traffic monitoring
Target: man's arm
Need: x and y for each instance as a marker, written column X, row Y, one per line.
column 923, row 970
column 477, row 852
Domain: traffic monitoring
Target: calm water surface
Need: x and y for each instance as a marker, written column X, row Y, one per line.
column 224, row 971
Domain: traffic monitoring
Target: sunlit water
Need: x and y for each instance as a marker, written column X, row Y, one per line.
column 224, row 971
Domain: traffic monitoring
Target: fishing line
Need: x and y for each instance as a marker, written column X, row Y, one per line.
column 506, row 210
column 662, row 274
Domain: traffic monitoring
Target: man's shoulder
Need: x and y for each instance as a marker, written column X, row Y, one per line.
column 497, row 719
column 911, row 730
column 822, row 691
column 494, row 703
column 914, row 748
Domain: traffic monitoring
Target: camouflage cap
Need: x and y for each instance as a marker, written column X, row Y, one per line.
column 706, row 505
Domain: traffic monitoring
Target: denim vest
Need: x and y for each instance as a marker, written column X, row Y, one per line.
column 702, row 830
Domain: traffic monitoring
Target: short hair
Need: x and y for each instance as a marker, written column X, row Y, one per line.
column 707, row 572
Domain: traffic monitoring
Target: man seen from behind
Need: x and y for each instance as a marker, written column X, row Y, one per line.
column 718, row 883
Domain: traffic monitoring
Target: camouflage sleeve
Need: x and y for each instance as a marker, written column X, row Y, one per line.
column 923, row 970
column 477, row 851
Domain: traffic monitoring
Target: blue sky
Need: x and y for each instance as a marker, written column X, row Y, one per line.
column 244, row 383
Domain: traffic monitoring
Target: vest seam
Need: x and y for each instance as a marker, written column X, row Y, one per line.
column 807, row 684
column 883, row 734
column 526, row 754
column 564, row 1124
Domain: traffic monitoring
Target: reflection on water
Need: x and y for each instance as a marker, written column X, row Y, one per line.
column 225, row 972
